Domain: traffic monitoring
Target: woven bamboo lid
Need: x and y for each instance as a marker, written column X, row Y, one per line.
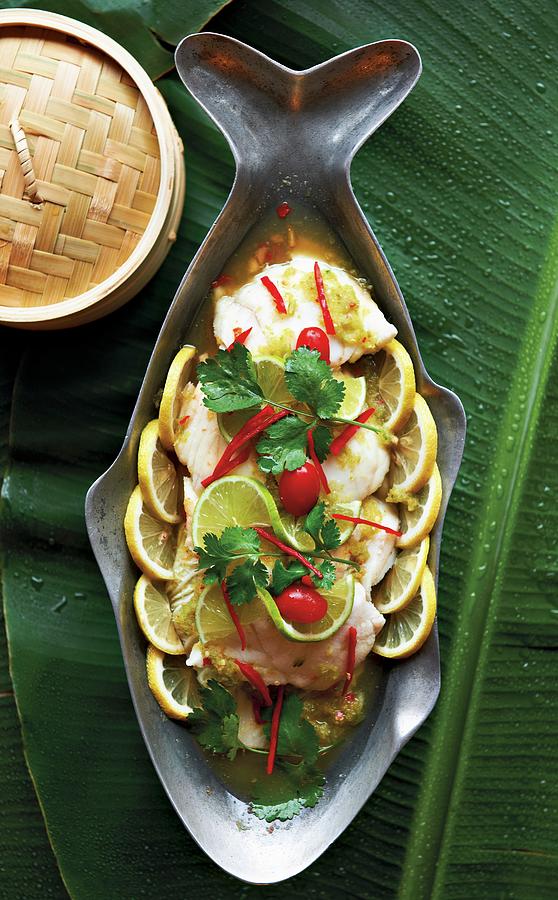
column 91, row 172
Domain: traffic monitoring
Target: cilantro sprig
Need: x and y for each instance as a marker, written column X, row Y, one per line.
column 216, row 722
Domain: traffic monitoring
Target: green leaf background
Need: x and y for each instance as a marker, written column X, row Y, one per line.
column 460, row 187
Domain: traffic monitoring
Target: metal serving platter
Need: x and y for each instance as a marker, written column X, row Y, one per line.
column 293, row 135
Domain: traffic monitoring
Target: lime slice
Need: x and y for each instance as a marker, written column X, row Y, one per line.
column 346, row 508
column 152, row 543
column 405, row 631
column 354, row 400
column 154, row 616
column 339, row 605
column 158, row 478
column 290, row 530
column 233, row 500
column 403, row 580
column 169, row 408
column 270, row 372
column 173, row 683
column 213, row 620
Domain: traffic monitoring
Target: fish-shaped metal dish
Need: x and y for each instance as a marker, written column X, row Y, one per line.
column 293, row 135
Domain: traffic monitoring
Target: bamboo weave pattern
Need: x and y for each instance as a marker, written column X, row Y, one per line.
column 96, row 160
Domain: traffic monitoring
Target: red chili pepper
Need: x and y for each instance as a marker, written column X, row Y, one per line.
column 222, row 279
column 343, row 439
column 206, row 661
column 351, row 656
column 227, row 466
column 240, row 337
column 350, row 697
column 253, row 676
column 358, row 521
column 234, row 616
column 328, row 321
column 275, row 293
column 256, row 709
column 183, row 420
column 283, row 210
column 274, row 735
column 317, row 463
column 289, row 550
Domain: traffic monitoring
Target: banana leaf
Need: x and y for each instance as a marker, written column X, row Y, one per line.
column 459, row 186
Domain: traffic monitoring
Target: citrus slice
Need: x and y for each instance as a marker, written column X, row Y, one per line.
column 418, row 512
column 396, row 384
column 213, row 620
column 232, row 500
column 415, row 454
column 158, row 478
column 402, row 581
column 339, row 605
column 354, row 400
column 155, row 618
column 405, row 631
column 345, row 508
column 169, row 408
column 290, row 529
column 152, row 543
column 173, row 684
column 270, row 373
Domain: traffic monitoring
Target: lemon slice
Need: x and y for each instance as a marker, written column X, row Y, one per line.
column 233, row 500
column 405, row 631
column 418, row 512
column 270, row 373
column 354, row 400
column 173, row 684
column 339, row 605
column 152, row 543
column 396, row 384
column 403, row 579
column 169, row 409
column 158, row 478
column 213, row 620
column 415, row 454
column 155, row 618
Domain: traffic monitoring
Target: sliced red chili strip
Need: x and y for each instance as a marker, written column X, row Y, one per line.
column 240, row 337
column 358, row 521
column 228, row 465
column 234, row 616
column 288, row 550
column 222, row 279
column 274, row 734
column 283, row 210
column 343, row 439
column 275, row 293
column 183, row 420
column 253, row 676
column 351, row 657
column 257, row 711
column 328, row 321
column 317, row 463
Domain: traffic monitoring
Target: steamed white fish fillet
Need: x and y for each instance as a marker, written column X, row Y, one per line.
column 360, row 325
column 373, row 548
column 200, row 444
column 360, row 468
column 313, row 665
column 249, row 732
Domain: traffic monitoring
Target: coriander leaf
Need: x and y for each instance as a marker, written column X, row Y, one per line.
column 283, row 446
column 322, row 441
column 282, row 811
column 307, row 786
column 216, row 723
column 243, row 581
column 217, row 552
column 310, row 380
column 228, row 380
column 325, row 532
column 297, row 737
column 282, row 576
column 330, row 536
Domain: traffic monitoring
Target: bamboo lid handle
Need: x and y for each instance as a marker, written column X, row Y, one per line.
column 25, row 161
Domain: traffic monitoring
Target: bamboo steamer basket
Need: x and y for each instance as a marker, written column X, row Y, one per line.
column 91, row 173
